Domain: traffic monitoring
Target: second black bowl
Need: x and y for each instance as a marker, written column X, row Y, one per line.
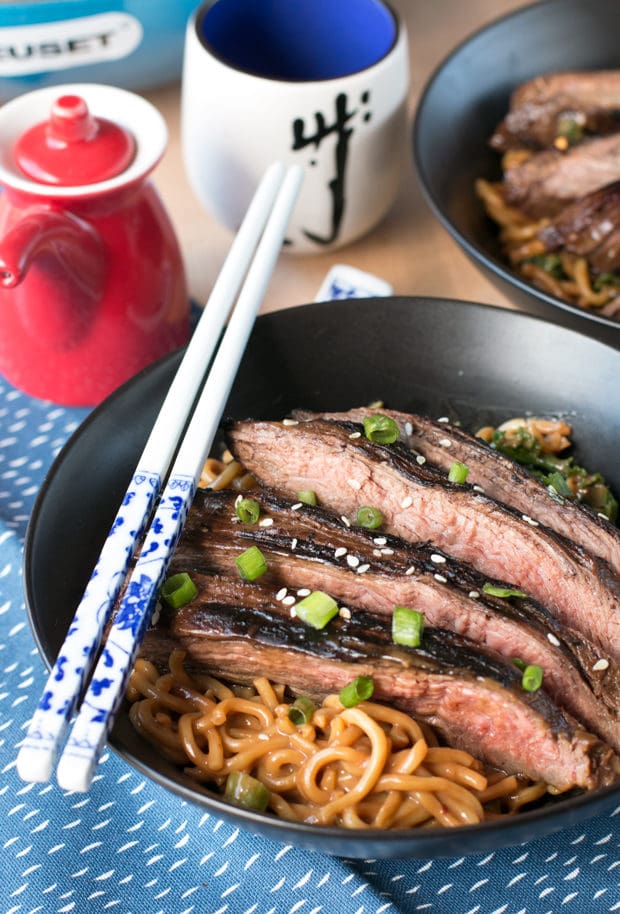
column 465, row 99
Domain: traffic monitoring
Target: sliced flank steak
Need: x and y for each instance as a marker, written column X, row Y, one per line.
column 557, row 104
column 308, row 548
column 548, row 181
column 441, row 443
column 419, row 504
column 475, row 699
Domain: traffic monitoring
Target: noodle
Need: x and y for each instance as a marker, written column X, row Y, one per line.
column 369, row 766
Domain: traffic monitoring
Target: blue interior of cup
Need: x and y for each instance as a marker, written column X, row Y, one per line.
column 298, row 40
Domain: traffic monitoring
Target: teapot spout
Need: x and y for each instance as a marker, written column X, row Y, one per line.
column 60, row 240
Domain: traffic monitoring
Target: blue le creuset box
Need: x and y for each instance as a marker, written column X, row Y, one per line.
column 135, row 44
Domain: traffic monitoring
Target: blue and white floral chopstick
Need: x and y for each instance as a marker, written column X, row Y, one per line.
column 268, row 215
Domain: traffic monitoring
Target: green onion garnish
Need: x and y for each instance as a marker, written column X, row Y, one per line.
column 458, row 472
column 360, row 689
column 317, row 609
column 380, row 429
column 532, row 678
column 244, row 790
column 301, row 711
column 368, row 517
column 520, row 664
column 247, row 510
column 307, row 497
column 251, row 564
column 407, row 626
column 503, row 592
column 178, row 590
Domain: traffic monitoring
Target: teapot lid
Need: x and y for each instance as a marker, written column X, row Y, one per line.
column 73, row 147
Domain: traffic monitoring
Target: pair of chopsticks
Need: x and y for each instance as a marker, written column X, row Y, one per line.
column 252, row 255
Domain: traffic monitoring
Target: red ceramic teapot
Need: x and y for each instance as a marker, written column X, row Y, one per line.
column 92, row 286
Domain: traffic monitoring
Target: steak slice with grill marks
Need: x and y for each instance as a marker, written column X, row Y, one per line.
column 239, row 631
column 546, row 182
column 420, row 504
column 537, row 108
column 441, row 443
column 308, row 547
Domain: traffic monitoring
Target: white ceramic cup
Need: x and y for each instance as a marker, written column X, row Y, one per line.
column 321, row 83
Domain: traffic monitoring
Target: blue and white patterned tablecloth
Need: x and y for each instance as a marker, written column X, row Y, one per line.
column 129, row 847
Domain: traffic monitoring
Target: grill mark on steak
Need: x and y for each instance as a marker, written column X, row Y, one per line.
column 589, row 228
column 238, row 631
column 419, row 504
column 308, row 548
column 501, row 478
column 538, row 106
column 546, row 182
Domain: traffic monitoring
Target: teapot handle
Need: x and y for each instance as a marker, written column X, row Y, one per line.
column 74, row 242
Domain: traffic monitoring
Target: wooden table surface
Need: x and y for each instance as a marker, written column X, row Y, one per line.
column 410, row 248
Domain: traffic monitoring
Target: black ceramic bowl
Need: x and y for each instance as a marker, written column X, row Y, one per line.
column 466, row 98
column 444, row 358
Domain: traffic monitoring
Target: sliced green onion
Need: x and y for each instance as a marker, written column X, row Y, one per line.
column 317, row 609
column 407, row 626
column 503, row 592
column 458, row 472
column 301, row 711
column 247, row 510
column 178, row 590
column 380, row 429
column 532, row 677
column 251, row 564
column 307, row 497
column 368, row 517
column 244, row 790
column 520, row 664
column 360, row 689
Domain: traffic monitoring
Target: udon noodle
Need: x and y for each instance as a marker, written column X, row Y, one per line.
column 367, row 766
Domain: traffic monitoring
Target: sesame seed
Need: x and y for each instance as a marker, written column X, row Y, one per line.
column 355, row 435
column 408, row 428
column 238, row 499
column 345, row 521
column 477, row 488
column 530, row 520
column 410, row 570
column 443, row 419
column 344, row 612
column 601, row 664
column 293, row 613
column 281, row 593
column 294, row 544
column 354, row 483
column 445, row 442
column 379, row 541
column 304, row 592
column 406, row 502
column 265, row 522
column 376, row 553
column 288, row 601
column 290, row 422
column 438, row 559
column 552, row 638
column 296, row 506
column 421, row 460
column 387, row 552
column 474, row 594
column 441, row 579
column 600, row 514
column 352, row 561
column 363, row 568
column 340, row 551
